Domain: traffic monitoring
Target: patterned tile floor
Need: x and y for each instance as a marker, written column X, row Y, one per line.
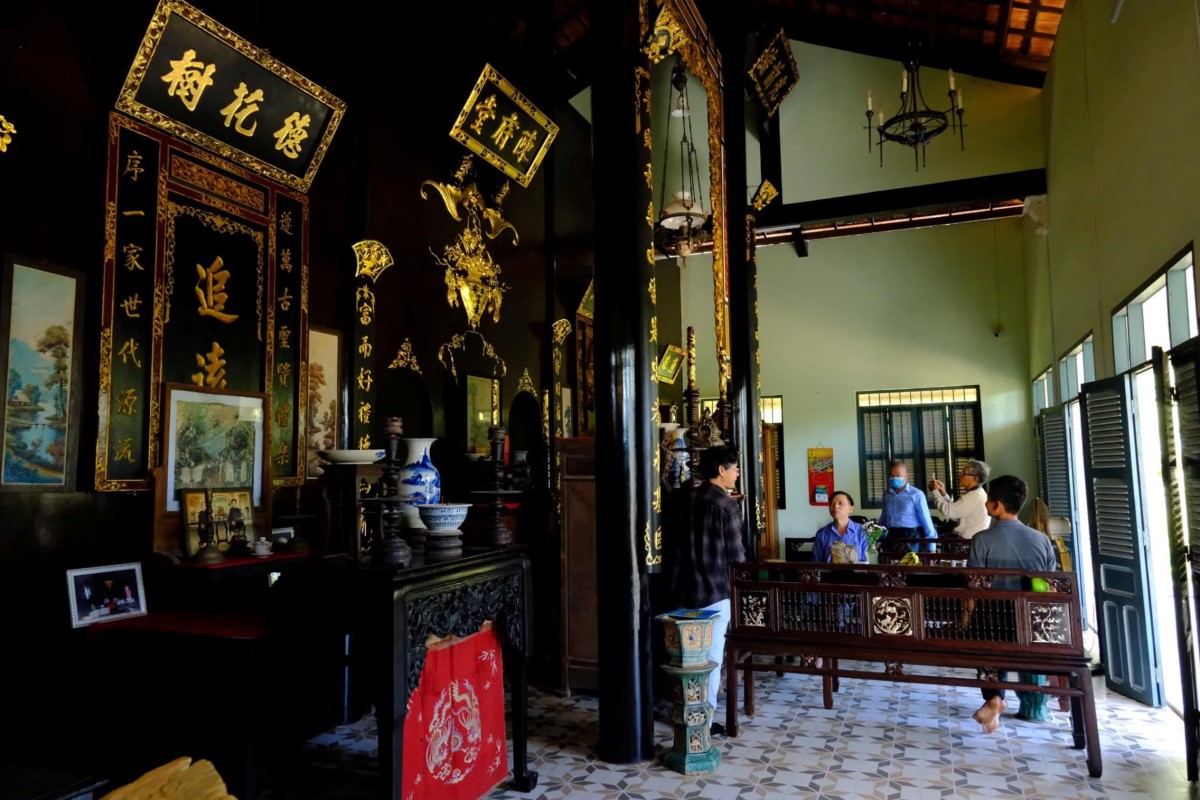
column 883, row 741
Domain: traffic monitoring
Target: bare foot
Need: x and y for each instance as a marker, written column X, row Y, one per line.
column 989, row 713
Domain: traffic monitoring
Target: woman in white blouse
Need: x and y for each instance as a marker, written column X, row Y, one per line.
column 970, row 508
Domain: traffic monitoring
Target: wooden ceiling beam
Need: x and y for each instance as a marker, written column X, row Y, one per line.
column 880, row 41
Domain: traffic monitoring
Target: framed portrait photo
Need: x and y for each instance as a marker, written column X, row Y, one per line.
column 104, row 594
column 214, row 439
column 41, row 368
column 233, row 510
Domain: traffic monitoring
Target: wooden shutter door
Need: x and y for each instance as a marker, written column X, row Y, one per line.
column 1179, row 409
column 1118, row 542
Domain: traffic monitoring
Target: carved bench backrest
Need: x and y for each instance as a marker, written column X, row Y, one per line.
column 938, row 608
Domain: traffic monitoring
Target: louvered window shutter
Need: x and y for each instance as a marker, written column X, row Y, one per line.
column 1188, row 424
column 1054, row 470
column 1183, row 420
column 1114, row 506
column 1111, row 482
column 902, row 430
column 875, row 455
column 966, row 439
column 933, row 447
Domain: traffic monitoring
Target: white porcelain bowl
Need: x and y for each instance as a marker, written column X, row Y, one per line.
column 352, row 456
column 442, row 516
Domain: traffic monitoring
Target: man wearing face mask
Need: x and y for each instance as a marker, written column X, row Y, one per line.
column 905, row 510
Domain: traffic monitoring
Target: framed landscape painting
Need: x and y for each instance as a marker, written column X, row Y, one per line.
column 41, row 321
column 215, row 439
column 324, row 394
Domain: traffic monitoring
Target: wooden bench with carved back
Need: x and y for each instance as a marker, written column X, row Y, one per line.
column 899, row 616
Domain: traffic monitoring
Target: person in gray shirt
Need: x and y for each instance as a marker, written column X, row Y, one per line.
column 1007, row 544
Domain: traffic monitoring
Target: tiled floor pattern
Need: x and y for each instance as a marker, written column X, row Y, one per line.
column 883, row 741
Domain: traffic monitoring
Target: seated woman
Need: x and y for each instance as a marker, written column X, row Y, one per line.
column 842, row 529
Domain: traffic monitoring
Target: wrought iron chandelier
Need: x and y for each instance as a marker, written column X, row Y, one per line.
column 916, row 123
column 680, row 228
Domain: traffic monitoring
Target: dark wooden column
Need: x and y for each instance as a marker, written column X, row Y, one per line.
column 625, row 391
column 743, row 278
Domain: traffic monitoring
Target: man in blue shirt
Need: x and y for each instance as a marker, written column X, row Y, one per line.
column 842, row 529
column 905, row 509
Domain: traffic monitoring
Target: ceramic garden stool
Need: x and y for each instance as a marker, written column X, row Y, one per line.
column 688, row 640
column 1033, row 704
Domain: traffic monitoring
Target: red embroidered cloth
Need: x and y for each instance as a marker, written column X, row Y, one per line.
column 454, row 746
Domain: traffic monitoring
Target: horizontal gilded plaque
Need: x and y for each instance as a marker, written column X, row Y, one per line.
column 201, row 82
column 500, row 125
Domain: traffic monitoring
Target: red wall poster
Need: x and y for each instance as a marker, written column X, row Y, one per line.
column 820, row 475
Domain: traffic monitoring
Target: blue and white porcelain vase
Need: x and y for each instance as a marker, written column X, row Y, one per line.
column 419, row 481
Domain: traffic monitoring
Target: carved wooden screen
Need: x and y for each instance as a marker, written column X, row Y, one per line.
column 205, row 282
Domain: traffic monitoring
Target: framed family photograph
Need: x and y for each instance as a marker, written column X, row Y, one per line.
column 214, row 439
column 104, row 594
column 41, row 367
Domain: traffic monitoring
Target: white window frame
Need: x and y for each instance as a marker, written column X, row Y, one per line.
column 1178, row 278
column 1076, row 368
column 1043, row 391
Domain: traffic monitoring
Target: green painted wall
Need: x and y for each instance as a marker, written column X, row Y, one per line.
column 825, row 147
column 1121, row 113
column 906, row 309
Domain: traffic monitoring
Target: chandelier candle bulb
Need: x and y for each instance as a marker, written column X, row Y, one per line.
column 950, row 72
column 868, row 99
column 958, row 100
column 904, row 82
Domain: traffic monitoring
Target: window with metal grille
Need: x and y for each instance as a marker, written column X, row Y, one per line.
column 933, row 431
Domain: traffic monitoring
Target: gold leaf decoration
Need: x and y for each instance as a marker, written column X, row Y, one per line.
column 765, row 194
column 562, row 329
column 525, row 384
column 6, row 133
column 405, row 358
column 372, row 257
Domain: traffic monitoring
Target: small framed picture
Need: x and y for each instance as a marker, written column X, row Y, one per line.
column 671, row 363
column 103, row 594
column 191, row 503
column 233, row 511
column 568, row 413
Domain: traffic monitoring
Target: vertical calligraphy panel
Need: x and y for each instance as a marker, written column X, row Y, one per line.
column 206, row 283
column 124, row 450
column 362, row 377
column 288, row 376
